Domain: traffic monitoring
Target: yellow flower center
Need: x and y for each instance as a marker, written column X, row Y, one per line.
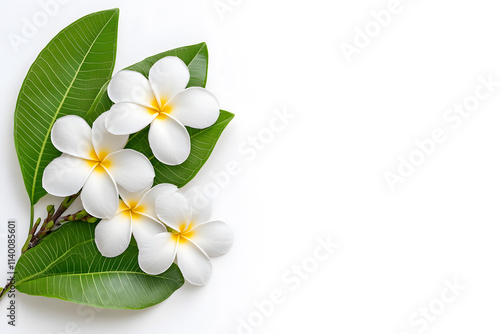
column 186, row 232
column 132, row 209
column 166, row 109
column 161, row 109
column 99, row 160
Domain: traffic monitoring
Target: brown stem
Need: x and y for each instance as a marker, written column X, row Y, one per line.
column 35, row 227
column 81, row 215
column 64, row 206
column 52, row 217
column 47, row 226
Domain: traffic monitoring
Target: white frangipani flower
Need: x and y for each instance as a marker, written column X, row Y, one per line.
column 135, row 215
column 164, row 102
column 94, row 159
column 192, row 240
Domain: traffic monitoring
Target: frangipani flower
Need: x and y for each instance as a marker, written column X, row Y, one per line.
column 192, row 240
column 135, row 215
column 164, row 102
column 94, row 159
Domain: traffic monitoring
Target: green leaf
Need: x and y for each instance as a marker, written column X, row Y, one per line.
column 64, row 79
column 202, row 144
column 67, row 265
column 194, row 56
column 202, row 141
column 101, row 104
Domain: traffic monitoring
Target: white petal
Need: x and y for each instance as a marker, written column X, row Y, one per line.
column 112, row 236
column 130, row 169
column 99, row 194
column 193, row 263
column 144, row 228
column 132, row 198
column 66, row 175
column 201, row 207
column 146, row 205
column 126, row 118
column 72, row 135
column 174, row 210
column 214, row 238
column 169, row 140
column 158, row 253
column 168, row 76
column 195, row 107
column 131, row 86
column 104, row 141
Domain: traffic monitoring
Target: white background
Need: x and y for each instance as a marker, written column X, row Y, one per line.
column 323, row 174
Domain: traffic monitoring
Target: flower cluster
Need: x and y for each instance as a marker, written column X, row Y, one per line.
column 116, row 182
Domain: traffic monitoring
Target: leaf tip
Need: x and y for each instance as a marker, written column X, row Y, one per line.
column 113, row 12
column 230, row 115
column 202, row 45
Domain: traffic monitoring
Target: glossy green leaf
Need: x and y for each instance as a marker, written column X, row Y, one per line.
column 195, row 56
column 202, row 140
column 101, row 104
column 64, row 79
column 68, row 265
column 202, row 144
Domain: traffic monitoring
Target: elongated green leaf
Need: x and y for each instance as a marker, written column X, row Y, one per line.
column 194, row 56
column 64, row 79
column 202, row 144
column 101, row 104
column 202, row 141
column 68, row 265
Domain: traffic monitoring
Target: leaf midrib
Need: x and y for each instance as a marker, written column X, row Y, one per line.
column 197, row 53
column 36, row 277
column 55, row 261
column 44, row 143
column 41, row 275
